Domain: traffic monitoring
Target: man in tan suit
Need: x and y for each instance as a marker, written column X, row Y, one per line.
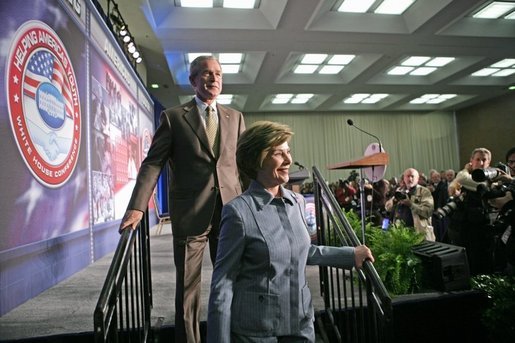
column 203, row 176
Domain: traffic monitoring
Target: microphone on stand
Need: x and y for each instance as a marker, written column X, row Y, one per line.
column 351, row 123
column 299, row 165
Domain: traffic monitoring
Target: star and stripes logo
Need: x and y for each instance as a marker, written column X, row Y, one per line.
column 44, row 67
column 43, row 101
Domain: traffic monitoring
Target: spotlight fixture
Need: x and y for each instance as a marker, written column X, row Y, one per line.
column 121, row 31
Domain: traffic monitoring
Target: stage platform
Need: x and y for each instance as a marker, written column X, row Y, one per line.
column 67, row 308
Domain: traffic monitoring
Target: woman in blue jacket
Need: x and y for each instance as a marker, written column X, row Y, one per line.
column 258, row 288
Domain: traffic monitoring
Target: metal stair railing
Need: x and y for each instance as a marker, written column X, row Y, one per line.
column 123, row 309
column 358, row 307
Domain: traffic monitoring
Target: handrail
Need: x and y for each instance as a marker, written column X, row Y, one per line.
column 124, row 305
column 359, row 309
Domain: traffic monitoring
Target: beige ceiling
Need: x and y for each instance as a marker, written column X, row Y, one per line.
column 276, row 35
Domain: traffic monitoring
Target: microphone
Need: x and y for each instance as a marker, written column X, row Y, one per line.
column 351, row 123
column 299, row 165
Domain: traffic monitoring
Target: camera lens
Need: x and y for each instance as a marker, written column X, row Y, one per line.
column 480, row 175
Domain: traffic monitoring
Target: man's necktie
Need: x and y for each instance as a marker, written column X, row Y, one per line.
column 212, row 129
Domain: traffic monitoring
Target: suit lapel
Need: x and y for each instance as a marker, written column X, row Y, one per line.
column 192, row 117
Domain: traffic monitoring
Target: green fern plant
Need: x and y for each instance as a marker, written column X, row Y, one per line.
column 399, row 268
column 355, row 221
column 397, row 265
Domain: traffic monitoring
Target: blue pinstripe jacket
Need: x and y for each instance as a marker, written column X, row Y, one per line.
column 258, row 286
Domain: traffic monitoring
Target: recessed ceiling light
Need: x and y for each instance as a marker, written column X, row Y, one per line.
column 379, row 96
column 230, row 58
column 197, row 3
column 305, row 69
column 238, row 3
column 432, row 98
column 485, row 72
column 352, row 101
column 504, row 72
column 154, row 86
column 506, row 63
column 422, row 71
column 439, row 61
column 285, row 98
column 330, row 69
column 400, row 70
column 313, row 58
column 230, row 68
column 393, row 6
column 415, row 61
column 299, row 101
column 435, row 101
column 225, row 99
column 304, row 95
column 355, row 6
column 494, row 10
column 365, row 98
column 341, row 59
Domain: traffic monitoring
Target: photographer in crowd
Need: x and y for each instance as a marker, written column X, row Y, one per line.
column 413, row 204
column 470, row 224
column 505, row 220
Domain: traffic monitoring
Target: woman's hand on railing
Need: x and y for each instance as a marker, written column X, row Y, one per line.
column 131, row 220
column 361, row 254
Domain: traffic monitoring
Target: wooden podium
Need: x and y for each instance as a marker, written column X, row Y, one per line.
column 377, row 159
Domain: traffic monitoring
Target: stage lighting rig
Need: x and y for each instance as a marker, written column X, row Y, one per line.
column 121, row 31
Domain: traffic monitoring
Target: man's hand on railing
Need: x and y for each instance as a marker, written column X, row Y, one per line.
column 130, row 219
column 362, row 253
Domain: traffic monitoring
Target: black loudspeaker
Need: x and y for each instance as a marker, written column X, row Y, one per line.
column 445, row 266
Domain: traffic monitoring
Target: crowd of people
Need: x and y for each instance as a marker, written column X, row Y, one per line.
column 446, row 206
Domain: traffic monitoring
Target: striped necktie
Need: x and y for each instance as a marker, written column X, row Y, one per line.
column 212, row 129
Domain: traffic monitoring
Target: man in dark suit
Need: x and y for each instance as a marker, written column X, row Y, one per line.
column 203, row 177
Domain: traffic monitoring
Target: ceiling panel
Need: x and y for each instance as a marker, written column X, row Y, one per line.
column 276, row 35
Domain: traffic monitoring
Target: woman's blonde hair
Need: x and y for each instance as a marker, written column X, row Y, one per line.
column 254, row 143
